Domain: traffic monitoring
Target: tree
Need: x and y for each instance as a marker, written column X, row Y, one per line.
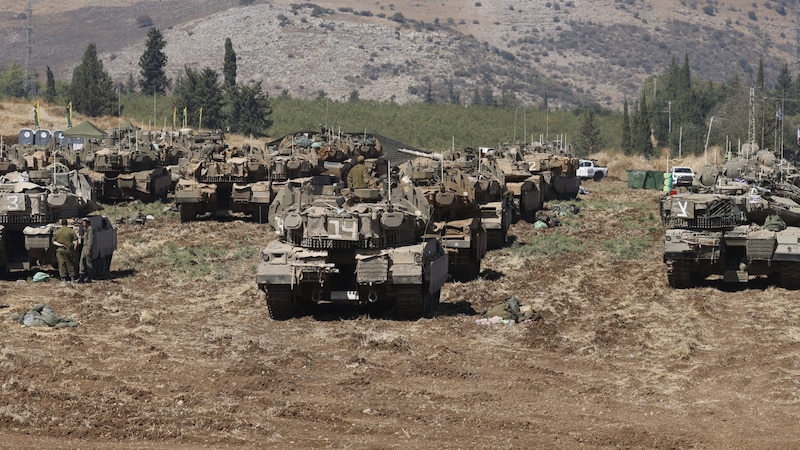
column 589, row 139
column 251, row 110
column 627, row 146
column 229, row 65
column 760, row 74
column 354, row 96
column 640, row 132
column 50, row 92
column 152, row 63
column 12, row 82
column 200, row 89
column 92, row 91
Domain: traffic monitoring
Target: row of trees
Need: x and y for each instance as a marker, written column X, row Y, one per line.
column 685, row 114
column 221, row 104
column 673, row 110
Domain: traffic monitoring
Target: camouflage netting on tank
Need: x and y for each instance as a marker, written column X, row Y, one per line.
column 42, row 315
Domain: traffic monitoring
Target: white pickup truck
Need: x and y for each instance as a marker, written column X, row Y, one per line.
column 588, row 169
column 682, row 176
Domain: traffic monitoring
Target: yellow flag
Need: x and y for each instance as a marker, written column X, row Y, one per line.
column 200, row 125
column 36, row 114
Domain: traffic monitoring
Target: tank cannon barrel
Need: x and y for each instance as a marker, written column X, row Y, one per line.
column 434, row 156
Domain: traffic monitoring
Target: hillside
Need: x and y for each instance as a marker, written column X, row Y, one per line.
column 574, row 51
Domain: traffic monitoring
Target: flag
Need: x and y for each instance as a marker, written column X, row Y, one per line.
column 779, row 114
column 36, row 114
column 174, row 118
column 69, row 115
column 185, row 119
column 200, row 125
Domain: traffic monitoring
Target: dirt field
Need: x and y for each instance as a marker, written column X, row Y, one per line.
column 177, row 351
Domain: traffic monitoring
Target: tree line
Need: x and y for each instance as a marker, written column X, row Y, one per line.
column 674, row 110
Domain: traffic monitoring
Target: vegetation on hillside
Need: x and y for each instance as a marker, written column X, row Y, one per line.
column 674, row 109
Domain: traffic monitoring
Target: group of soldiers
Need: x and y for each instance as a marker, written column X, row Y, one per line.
column 67, row 243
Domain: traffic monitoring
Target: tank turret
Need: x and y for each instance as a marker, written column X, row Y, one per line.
column 734, row 228
column 362, row 246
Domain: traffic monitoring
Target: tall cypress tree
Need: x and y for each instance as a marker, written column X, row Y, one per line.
column 152, row 63
column 627, row 148
column 640, row 135
column 50, row 91
column 92, row 91
column 229, row 65
column 589, row 139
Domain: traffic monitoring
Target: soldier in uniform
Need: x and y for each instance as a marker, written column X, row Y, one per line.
column 358, row 177
column 85, row 268
column 66, row 242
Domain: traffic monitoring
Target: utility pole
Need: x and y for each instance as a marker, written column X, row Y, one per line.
column 27, row 77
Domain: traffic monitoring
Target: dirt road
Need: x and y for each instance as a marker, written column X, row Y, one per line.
column 178, row 351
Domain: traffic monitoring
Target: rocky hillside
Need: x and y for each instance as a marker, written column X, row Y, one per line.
column 571, row 51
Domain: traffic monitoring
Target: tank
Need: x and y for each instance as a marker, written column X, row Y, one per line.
column 30, row 211
column 731, row 228
column 126, row 165
column 527, row 191
column 456, row 213
column 554, row 166
column 220, row 180
column 495, row 201
column 368, row 246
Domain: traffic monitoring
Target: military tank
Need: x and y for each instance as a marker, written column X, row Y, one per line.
column 127, row 165
column 456, row 212
column 29, row 213
column 527, row 191
column 220, row 180
column 554, row 168
column 496, row 202
column 364, row 246
column 731, row 228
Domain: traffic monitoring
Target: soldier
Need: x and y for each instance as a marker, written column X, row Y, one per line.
column 358, row 177
column 66, row 242
column 85, row 268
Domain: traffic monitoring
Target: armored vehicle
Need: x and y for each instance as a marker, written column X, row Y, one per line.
column 29, row 212
column 527, row 191
column 554, row 168
column 731, row 229
column 220, row 180
column 126, row 165
column 456, row 211
column 354, row 247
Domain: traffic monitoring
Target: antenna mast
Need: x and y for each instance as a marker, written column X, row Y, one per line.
column 751, row 129
column 27, row 77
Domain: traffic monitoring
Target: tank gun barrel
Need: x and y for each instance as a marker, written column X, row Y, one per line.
column 434, row 156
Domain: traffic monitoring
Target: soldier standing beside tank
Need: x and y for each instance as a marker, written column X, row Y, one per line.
column 85, row 268
column 358, row 177
column 66, row 242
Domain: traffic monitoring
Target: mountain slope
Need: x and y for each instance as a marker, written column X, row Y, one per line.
column 571, row 51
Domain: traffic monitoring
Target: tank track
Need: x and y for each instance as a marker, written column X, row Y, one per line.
column 463, row 267
column 789, row 275
column 188, row 212
column 279, row 302
column 413, row 301
column 678, row 274
column 495, row 239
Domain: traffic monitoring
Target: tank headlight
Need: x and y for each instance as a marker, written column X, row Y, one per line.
column 667, row 238
column 417, row 258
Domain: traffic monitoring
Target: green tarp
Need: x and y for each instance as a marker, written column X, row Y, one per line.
column 85, row 130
